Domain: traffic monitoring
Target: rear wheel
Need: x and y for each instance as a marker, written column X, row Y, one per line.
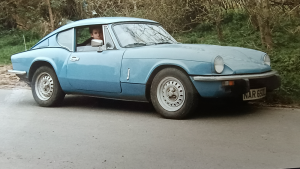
column 172, row 94
column 45, row 87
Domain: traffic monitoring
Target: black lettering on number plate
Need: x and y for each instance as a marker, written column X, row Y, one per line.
column 253, row 93
column 245, row 96
column 264, row 91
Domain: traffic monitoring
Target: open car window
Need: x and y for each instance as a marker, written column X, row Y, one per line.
column 83, row 38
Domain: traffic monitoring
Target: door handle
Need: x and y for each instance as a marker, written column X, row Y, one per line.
column 74, row 59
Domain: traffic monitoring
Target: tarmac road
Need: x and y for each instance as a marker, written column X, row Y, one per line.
column 97, row 133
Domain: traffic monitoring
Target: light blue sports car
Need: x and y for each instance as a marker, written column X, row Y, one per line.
column 136, row 59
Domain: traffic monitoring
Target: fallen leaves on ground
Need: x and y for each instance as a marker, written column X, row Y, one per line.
column 9, row 80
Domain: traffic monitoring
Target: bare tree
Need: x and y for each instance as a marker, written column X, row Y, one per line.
column 263, row 18
column 50, row 15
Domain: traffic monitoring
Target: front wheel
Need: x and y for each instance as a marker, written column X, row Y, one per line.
column 172, row 94
column 45, row 87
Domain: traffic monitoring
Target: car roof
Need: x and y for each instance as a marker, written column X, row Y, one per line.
column 94, row 21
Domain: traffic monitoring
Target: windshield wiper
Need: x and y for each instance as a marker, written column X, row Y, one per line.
column 145, row 44
column 163, row 43
column 134, row 45
column 157, row 43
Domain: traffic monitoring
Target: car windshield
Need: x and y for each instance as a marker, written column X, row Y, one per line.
column 134, row 35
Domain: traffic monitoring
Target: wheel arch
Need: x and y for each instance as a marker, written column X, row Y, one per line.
column 154, row 72
column 37, row 64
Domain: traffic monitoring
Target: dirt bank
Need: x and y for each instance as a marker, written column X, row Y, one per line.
column 10, row 81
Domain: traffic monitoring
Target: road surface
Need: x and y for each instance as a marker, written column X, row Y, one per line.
column 97, row 133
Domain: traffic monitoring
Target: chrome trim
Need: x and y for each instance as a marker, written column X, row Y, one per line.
column 109, row 34
column 74, row 59
column 17, row 72
column 128, row 74
column 235, row 77
column 104, row 38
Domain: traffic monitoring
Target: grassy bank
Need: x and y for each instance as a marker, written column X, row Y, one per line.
column 12, row 41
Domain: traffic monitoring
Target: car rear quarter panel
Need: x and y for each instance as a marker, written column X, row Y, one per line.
column 57, row 57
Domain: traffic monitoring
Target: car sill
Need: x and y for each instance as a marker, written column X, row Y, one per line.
column 235, row 77
column 17, row 72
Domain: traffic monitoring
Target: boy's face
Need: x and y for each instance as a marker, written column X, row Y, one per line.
column 96, row 34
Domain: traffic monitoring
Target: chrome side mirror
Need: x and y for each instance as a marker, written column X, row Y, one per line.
column 97, row 43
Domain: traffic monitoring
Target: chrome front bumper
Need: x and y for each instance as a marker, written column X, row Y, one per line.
column 235, row 77
column 17, row 72
column 213, row 86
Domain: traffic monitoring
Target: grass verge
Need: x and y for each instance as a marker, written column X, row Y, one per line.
column 12, row 42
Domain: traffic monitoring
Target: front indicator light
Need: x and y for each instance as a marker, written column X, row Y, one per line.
column 228, row 83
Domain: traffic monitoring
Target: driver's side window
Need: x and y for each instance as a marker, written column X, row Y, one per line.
column 84, row 36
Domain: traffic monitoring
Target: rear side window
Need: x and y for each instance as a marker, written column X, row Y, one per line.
column 66, row 39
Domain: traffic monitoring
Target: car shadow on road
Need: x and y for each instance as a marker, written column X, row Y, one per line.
column 206, row 108
column 100, row 103
column 212, row 108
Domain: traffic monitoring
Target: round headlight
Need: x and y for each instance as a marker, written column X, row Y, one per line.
column 267, row 60
column 219, row 64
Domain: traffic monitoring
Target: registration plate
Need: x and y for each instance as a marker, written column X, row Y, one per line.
column 254, row 94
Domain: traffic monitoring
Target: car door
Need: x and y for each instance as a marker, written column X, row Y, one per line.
column 92, row 70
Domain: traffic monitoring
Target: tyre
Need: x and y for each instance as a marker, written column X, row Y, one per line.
column 173, row 95
column 45, row 87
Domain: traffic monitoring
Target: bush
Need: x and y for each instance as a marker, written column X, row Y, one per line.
column 11, row 42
